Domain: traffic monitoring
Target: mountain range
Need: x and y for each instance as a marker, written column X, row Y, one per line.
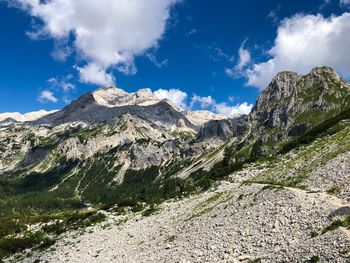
column 111, row 151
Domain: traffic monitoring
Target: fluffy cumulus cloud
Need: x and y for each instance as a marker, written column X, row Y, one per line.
column 176, row 96
column 103, row 40
column 303, row 42
column 47, row 96
column 94, row 74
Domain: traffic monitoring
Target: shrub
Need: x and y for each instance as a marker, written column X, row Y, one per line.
column 151, row 210
column 314, row 259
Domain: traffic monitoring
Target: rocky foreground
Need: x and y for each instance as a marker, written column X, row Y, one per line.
column 233, row 222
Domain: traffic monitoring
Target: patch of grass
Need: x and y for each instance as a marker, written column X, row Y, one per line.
column 257, row 260
column 336, row 224
column 335, row 190
column 213, row 198
column 151, row 210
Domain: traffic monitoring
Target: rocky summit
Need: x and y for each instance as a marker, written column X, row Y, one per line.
column 127, row 177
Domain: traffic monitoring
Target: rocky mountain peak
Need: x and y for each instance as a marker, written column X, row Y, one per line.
column 115, row 97
column 292, row 104
column 319, row 71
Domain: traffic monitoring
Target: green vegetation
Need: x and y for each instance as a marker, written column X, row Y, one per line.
column 291, row 169
column 335, row 190
column 183, row 135
column 12, row 245
column 151, row 210
column 171, row 239
column 84, row 135
column 336, row 224
column 328, row 127
column 313, row 233
column 314, row 259
column 15, row 238
column 257, row 260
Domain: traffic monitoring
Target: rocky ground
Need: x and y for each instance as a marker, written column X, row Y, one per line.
column 231, row 223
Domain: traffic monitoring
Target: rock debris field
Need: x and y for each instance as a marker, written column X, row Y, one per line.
column 231, row 223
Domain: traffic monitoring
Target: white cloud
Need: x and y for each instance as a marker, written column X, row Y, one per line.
column 217, row 54
column 244, row 58
column 47, row 96
column 230, row 72
column 94, row 74
column 204, row 102
column 106, row 33
column 61, row 53
column 233, row 111
column 176, row 96
column 344, row 3
column 154, row 60
column 303, row 42
column 221, row 108
column 179, row 98
column 62, row 83
column 273, row 16
column 191, row 32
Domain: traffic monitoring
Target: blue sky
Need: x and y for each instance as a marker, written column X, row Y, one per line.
column 224, row 49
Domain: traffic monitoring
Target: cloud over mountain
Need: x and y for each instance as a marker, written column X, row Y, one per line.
column 104, row 34
column 303, row 42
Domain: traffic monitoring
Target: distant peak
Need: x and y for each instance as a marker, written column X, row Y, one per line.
column 109, row 90
column 30, row 116
column 115, row 97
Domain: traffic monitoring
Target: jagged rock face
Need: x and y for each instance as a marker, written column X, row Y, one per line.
column 223, row 129
column 293, row 104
